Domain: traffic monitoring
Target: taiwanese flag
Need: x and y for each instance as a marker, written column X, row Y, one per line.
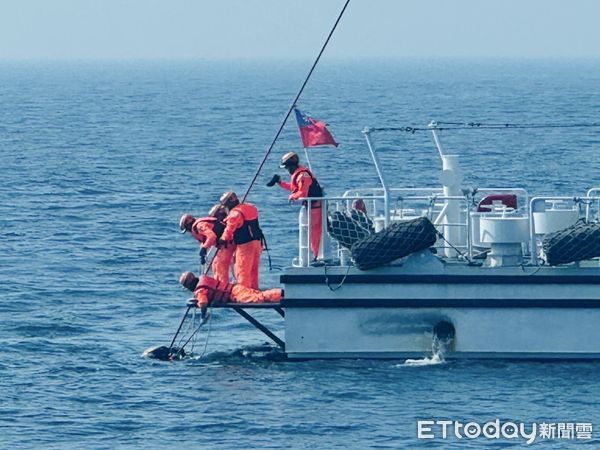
column 313, row 133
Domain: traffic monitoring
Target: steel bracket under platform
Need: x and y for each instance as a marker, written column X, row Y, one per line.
column 240, row 308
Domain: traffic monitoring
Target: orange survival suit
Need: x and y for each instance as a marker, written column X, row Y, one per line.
column 207, row 231
column 303, row 184
column 241, row 227
column 207, row 290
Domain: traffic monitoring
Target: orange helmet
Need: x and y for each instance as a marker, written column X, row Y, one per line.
column 188, row 280
column 186, row 222
column 289, row 159
column 229, row 199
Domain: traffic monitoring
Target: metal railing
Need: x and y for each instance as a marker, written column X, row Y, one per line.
column 588, row 208
column 409, row 203
column 328, row 204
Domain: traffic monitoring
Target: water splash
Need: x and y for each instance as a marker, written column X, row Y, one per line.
column 434, row 360
column 439, row 349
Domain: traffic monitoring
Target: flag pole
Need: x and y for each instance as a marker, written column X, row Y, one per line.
column 307, row 159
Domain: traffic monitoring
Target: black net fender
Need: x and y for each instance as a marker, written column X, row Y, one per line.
column 575, row 243
column 394, row 242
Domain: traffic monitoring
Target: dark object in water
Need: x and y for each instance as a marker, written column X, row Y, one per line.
column 575, row 243
column 164, row 353
column 394, row 242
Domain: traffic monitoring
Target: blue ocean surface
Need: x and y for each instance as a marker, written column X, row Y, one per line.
column 98, row 160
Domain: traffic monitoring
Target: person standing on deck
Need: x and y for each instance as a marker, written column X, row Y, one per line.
column 303, row 184
column 243, row 230
column 208, row 231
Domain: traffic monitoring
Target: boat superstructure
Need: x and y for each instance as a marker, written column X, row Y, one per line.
column 484, row 286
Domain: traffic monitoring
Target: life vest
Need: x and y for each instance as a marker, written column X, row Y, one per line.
column 217, row 226
column 315, row 189
column 250, row 230
column 218, row 291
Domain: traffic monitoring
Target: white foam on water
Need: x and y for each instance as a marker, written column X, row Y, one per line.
column 439, row 348
column 434, row 360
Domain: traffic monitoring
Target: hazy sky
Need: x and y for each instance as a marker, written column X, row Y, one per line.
column 65, row 29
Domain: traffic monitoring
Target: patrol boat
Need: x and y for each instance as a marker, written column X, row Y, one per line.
column 484, row 288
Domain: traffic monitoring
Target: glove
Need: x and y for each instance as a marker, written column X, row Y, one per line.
column 192, row 303
column 202, row 255
column 223, row 243
column 276, row 179
column 292, row 201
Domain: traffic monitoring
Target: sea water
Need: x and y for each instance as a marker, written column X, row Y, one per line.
column 99, row 159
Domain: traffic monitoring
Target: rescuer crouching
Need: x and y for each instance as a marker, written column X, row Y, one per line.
column 208, row 291
column 208, row 231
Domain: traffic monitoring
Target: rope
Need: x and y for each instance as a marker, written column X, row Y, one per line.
column 192, row 327
column 179, row 328
column 485, row 126
column 464, row 255
column 202, row 322
column 207, row 336
column 341, row 283
column 531, row 273
column 477, row 125
column 188, row 328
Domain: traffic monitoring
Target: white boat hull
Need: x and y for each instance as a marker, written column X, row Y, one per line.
column 546, row 333
column 392, row 312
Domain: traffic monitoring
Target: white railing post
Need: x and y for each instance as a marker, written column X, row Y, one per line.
column 451, row 179
column 386, row 192
column 303, row 244
column 325, row 244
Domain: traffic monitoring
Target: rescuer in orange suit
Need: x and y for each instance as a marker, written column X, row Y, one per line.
column 303, row 184
column 242, row 227
column 207, row 290
column 208, row 231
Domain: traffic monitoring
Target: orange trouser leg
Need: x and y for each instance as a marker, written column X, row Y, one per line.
column 221, row 265
column 247, row 263
column 243, row 294
column 316, row 228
